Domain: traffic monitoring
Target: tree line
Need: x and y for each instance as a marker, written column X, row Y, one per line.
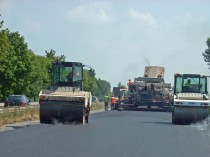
column 22, row 71
column 206, row 53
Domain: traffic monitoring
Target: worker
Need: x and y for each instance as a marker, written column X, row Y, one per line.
column 106, row 102
column 130, row 85
column 187, row 84
column 113, row 102
column 118, row 102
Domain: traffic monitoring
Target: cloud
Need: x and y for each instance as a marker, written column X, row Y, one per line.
column 92, row 13
column 143, row 18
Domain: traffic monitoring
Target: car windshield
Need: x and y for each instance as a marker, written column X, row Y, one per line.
column 191, row 84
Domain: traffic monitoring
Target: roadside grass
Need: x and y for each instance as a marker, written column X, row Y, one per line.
column 17, row 114
column 97, row 106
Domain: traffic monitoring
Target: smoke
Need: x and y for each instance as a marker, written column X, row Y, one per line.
column 203, row 125
column 147, row 62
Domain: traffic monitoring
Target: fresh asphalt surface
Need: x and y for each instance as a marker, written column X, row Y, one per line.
column 110, row 134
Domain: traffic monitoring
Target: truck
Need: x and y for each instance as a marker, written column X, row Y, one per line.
column 65, row 101
column 150, row 90
column 191, row 98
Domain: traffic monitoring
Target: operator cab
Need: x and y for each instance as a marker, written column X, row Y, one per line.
column 190, row 83
column 67, row 74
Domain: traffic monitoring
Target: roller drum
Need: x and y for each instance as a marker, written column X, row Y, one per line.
column 64, row 112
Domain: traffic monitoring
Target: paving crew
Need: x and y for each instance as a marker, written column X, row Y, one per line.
column 106, row 102
column 113, row 102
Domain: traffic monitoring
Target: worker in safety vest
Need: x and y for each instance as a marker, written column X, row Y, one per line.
column 118, row 102
column 106, row 102
column 130, row 85
column 113, row 102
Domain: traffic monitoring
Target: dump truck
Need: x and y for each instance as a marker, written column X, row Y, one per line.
column 191, row 98
column 65, row 101
column 150, row 90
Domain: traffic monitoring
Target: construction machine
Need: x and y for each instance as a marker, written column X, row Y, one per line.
column 150, row 90
column 65, row 101
column 191, row 98
column 121, row 94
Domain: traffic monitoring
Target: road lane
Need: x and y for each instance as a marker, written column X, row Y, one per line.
column 112, row 133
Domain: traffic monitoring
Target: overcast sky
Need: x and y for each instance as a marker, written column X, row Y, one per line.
column 118, row 38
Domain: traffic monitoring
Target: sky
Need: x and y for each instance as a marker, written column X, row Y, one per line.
column 117, row 38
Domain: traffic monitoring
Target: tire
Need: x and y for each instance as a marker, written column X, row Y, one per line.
column 85, row 117
column 174, row 119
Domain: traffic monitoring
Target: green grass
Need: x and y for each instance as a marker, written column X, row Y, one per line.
column 97, row 106
column 18, row 115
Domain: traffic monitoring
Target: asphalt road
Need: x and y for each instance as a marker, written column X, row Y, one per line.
column 110, row 134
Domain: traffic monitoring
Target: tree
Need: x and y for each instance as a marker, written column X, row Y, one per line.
column 6, row 73
column 21, row 63
column 21, row 71
column 206, row 54
column 39, row 77
column 120, row 85
column 103, row 88
column 89, row 82
column 51, row 55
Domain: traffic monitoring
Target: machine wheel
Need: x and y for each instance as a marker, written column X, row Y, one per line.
column 85, row 116
column 174, row 119
column 42, row 120
column 85, row 119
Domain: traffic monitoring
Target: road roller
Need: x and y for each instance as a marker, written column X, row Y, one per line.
column 191, row 98
column 65, row 101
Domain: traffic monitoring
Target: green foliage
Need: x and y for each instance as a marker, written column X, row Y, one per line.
column 51, row 55
column 39, row 77
column 97, row 87
column 21, row 71
column 89, row 83
column 6, row 59
column 206, row 54
column 103, row 88
column 121, row 86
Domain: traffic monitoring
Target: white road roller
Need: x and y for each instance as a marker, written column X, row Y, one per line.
column 191, row 98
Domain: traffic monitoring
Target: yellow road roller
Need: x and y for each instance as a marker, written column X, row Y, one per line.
column 65, row 101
